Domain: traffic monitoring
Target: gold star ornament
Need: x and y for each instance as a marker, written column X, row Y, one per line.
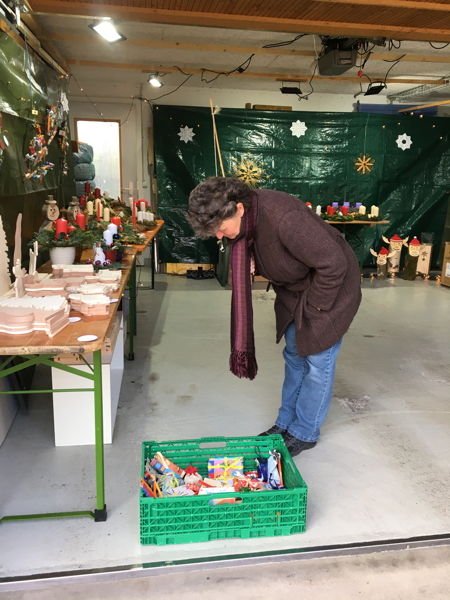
column 248, row 171
column 364, row 164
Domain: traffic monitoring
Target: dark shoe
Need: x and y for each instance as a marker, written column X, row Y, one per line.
column 295, row 446
column 273, row 430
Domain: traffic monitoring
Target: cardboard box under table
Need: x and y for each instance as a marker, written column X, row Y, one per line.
column 184, row 519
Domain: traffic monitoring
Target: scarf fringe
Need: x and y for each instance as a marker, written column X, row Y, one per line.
column 243, row 364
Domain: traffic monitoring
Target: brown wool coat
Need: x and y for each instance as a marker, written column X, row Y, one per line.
column 310, row 266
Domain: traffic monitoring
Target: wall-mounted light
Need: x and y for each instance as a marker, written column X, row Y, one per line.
column 107, row 30
column 375, row 87
column 154, row 81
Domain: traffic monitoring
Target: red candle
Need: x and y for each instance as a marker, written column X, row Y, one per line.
column 97, row 193
column 330, row 210
column 82, row 200
column 134, row 211
column 116, row 220
column 81, row 220
column 71, row 228
column 344, row 210
column 87, row 187
column 61, row 226
column 99, row 210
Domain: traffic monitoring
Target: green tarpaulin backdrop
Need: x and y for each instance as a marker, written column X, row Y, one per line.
column 410, row 186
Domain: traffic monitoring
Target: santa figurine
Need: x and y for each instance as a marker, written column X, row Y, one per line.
column 382, row 258
column 50, row 212
column 412, row 259
column 395, row 249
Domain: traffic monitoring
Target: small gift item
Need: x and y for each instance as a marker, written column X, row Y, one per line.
column 163, row 465
column 225, row 467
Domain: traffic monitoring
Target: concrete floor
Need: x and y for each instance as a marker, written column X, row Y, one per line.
column 379, row 472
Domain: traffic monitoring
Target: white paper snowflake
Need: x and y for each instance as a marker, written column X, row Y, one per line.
column 298, row 128
column 404, row 141
column 186, row 134
column 64, row 102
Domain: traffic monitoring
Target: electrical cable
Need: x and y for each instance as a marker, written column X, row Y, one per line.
column 129, row 112
column 287, row 42
column 305, row 96
column 173, row 91
column 440, row 47
column 240, row 69
column 82, row 90
column 392, row 66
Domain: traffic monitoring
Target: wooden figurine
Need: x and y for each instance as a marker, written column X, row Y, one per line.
column 382, row 258
column 412, row 258
column 33, row 258
column 5, row 277
column 395, row 248
column 73, row 210
column 50, row 212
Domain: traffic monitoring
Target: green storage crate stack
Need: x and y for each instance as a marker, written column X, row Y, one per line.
column 181, row 520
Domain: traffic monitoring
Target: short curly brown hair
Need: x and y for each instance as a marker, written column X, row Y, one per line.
column 213, row 201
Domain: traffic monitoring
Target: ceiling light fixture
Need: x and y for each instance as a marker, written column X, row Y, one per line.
column 154, row 81
column 106, row 29
column 286, row 89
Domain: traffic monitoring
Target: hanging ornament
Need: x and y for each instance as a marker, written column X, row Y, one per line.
column 248, row 171
column 64, row 102
column 298, row 128
column 186, row 134
column 364, row 164
column 404, row 141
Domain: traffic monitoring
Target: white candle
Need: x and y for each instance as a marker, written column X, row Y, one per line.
column 318, row 210
column 108, row 237
column 142, row 206
column 150, row 216
column 105, row 194
column 362, row 210
column 375, row 211
column 90, row 207
column 140, row 215
column 106, row 214
column 112, row 227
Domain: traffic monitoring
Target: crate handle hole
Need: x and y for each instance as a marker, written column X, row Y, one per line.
column 213, row 445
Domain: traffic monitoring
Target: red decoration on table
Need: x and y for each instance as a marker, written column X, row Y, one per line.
column 116, row 220
column 87, row 187
column 82, row 200
column 71, row 228
column 330, row 210
column 81, row 220
column 97, row 193
column 344, row 210
column 61, row 226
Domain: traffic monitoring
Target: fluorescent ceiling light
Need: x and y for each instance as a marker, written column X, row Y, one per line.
column 154, row 81
column 107, row 30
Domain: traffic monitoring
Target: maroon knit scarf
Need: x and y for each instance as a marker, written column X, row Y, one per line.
column 242, row 358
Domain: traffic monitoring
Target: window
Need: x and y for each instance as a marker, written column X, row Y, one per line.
column 104, row 137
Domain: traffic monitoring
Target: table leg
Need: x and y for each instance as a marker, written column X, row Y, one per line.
column 100, row 507
column 132, row 315
column 361, row 250
column 152, row 261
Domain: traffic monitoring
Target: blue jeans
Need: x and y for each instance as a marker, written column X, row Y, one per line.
column 307, row 389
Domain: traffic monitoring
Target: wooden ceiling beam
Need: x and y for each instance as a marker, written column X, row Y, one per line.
column 44, row 38
column 423, row 106
column 246, row 74
column 178, row 17
column 408, row 4
column 226, row 49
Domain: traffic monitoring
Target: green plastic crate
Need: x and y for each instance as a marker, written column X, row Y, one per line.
column 191, row 518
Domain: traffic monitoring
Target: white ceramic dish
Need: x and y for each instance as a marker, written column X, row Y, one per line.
column 87, row 338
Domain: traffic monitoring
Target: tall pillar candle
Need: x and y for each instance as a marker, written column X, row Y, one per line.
column 344, row 210
column 87, row 187
column 108, row 237
column 143, row 205
column 83, row 200
column 362, row 210
column 90, row 207
column 61, row 226
column 318, row 210
column 106, row 214
column 112, row 227
column 99, row 210
column 133, row 209
column 97, row 193
column 81, row 220
column 375, row 211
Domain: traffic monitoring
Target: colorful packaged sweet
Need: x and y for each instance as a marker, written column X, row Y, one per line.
column 164, row 465
column 225, row 467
